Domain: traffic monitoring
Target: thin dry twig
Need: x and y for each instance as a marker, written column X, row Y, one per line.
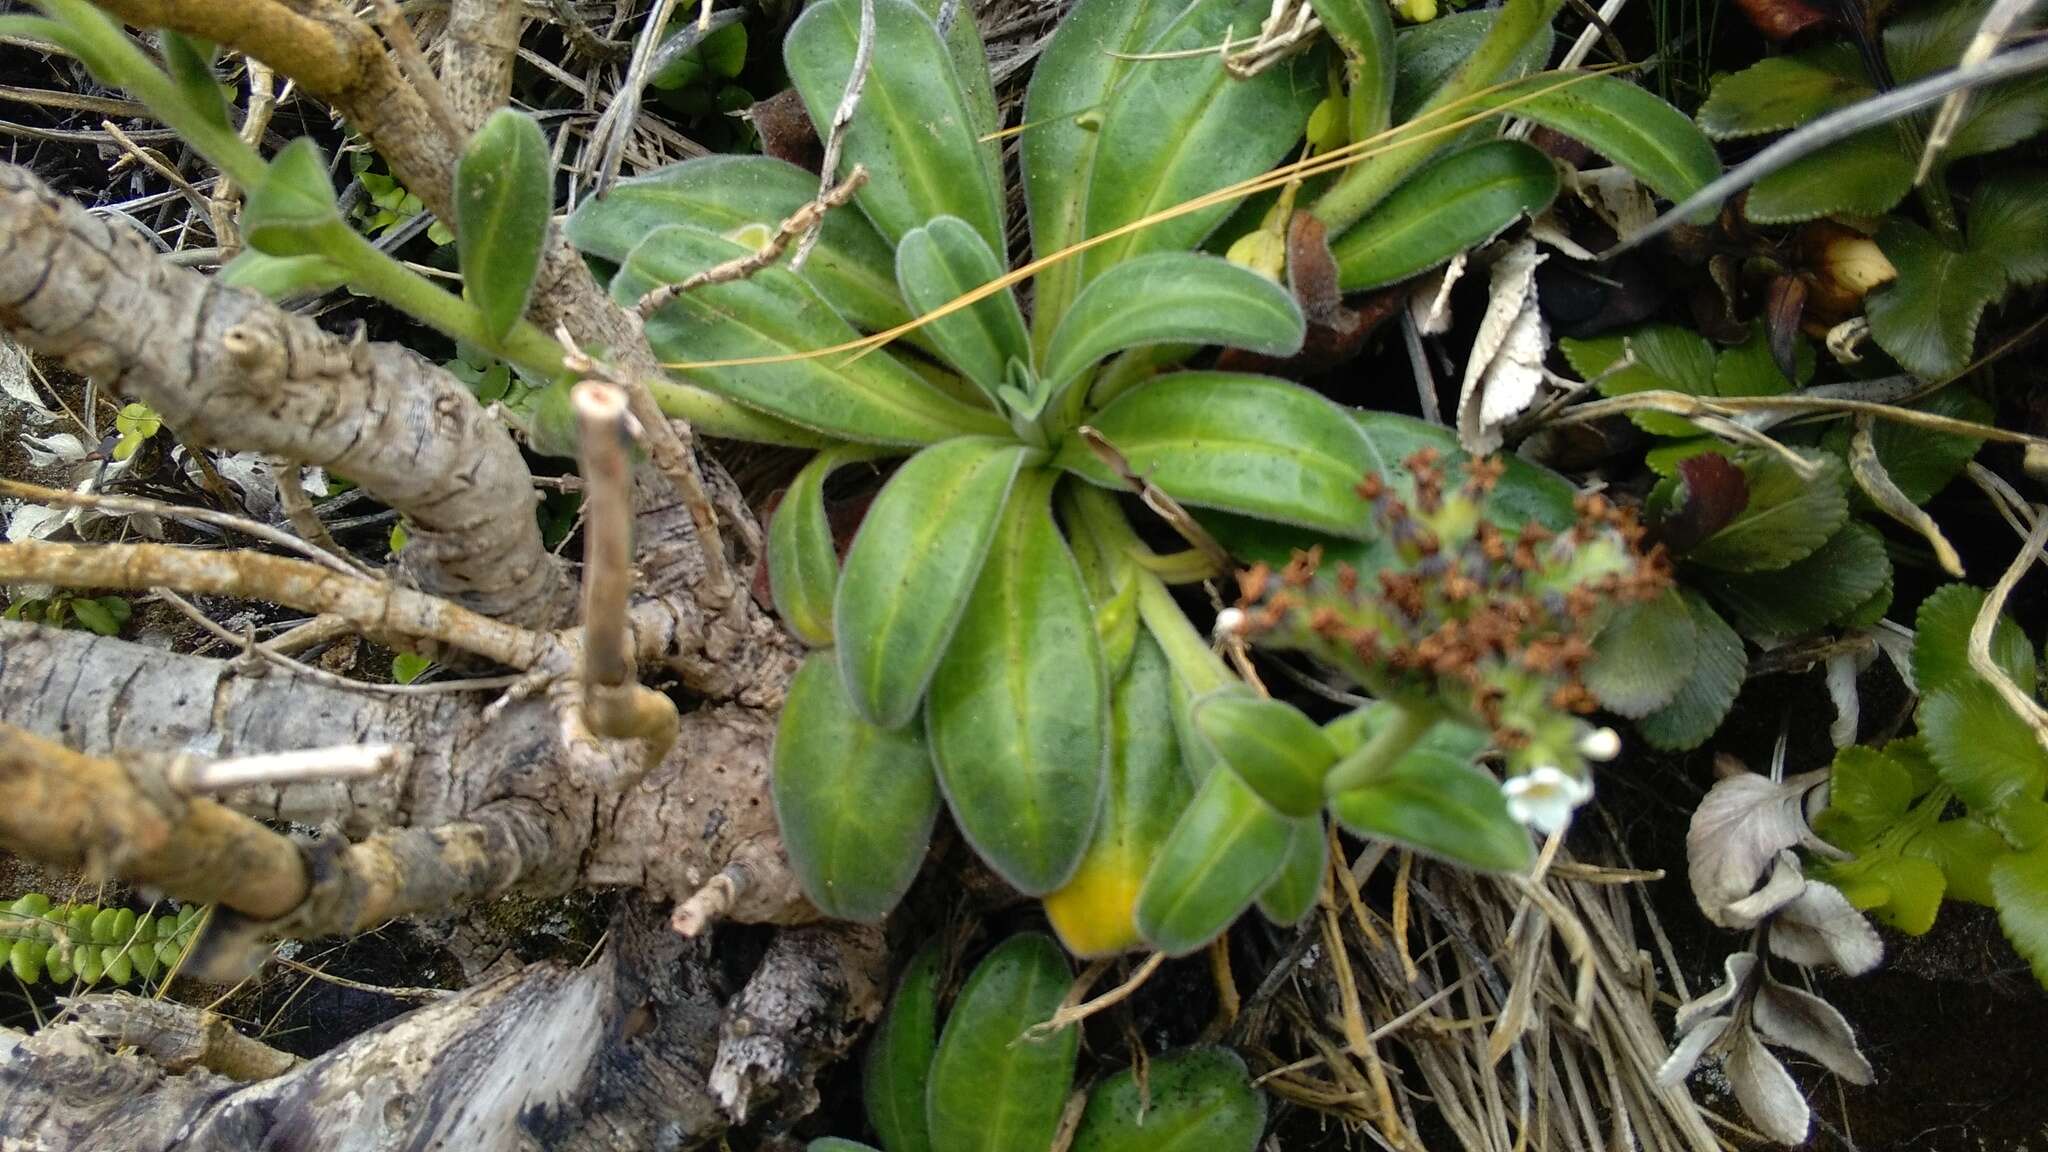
column 1998, row 22
column 1073, row 1012
column 835, row 133
column 133, row 505
column 197, row 776
column 1981, row 630
column 1877, row 483
column 406, row 48
column 811, row 215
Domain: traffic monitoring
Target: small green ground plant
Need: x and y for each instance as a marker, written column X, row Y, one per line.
column 62, row 942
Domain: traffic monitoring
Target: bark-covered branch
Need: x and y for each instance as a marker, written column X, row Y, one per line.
column 227, row 369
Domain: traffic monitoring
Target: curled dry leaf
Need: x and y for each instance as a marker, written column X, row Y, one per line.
column 1737, row 968
column 1617, row 197
column 1506, row 367
column 1712, row 492
column 1820, row 926
column 1796, row 1019
column 1430, row 303
column 1737, row 834
column 1842, row 670
column 1766, row 1091
column 1692, row 1048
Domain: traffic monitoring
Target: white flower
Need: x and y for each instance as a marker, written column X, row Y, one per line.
column 1545, row 797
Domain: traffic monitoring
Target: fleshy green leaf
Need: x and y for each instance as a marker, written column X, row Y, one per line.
column 874, row 398
column 851, row 266
column 1868, row 791
column 1436, row 800
column 1984, row 750
column 1070, row 89
column 1095, row 912
column 1964, row 849
column 1201, row 1100
column 2019, row 886
column 855, row 802
column 1808, row 594
column 1018, row 713
column 947, row 259
column 1787, row 518
column 1783, row 92
column 1363, row 31
column 900, row 1056
column 1221, row 854
column 1291, row 895
column 835, row 1144
column 1177, row 129
column 1248, row 444
column 1865, row 175
column 293, row 211
column 1644, row 655
column 912, row 567
column 282, row 277
column 915, row 130
column 1927, row 318
column 1941, row 642
column 1667, row 358
column 1457, row 202
column 1718, row 668
column 803, row 562
column 504, row 195
column 992, row 1089
column 1428, row 55
column 1281, row 753
column 1625, row 123
column 190, row 62
column 1172, row 298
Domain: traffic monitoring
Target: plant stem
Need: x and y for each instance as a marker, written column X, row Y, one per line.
column 1368, row 182
column 1198, row 667
column 373, row 271
column 1941, row 209
column 1406, row 723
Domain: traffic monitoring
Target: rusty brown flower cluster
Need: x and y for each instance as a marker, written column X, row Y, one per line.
column 1498, row 623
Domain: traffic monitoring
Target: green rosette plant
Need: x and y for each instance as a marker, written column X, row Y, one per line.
column 997, row 639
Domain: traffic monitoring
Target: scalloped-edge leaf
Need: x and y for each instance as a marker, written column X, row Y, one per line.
column 1865, row 175
column 1984, row 750
column 992, row 1088
column 1718, row 669
column 1941, row 642
column 1201, row 1100
column 855, row 803
column 912, row 567
column 1927, row 318
column 1644, row 655
column 1455, row 203
column 1787, row 518
column 1783, row 92
column 1810, row 593
column 2019, row 886
column 2009, row 223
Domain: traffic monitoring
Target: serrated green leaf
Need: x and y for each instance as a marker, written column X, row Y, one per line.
column 1941, row 642
column 900, row 1056
column 1868, row 791
column 1435, row 800
column 1644, row 655
column 504, row 196
column 916, row 130
column 1095, row 913
column 1931, row 38
column 293, row 211
column 803, row 561
column 1180, row 128
column 1667, row 358
column 1018, row 713
column 1984, row 750
column 1070, row 89
column 1227, row 846
column 1718, row 669
column 2019, row 887
column 992, row 1089
column 1291, row 895
column 1810, row 593
column 1964, row 849
column 1455, row 203
column 1201, row 1100
column 947, row 259
column 1927, row 318
column 1172, row 298
column 1749, row 369
column 851, row 266
column 1281, row 753
column 1363, row 31
column 873, row 398
column 1787, row 518
column 1249, row 444
column 1783, row 92
column 2009, row 224
column 1866, row 174
column 855, row 803
column 912, row 567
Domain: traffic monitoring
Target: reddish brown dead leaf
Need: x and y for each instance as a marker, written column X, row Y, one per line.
column 1711, row 492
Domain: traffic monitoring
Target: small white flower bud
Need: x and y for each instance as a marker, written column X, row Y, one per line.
column 1229, row 622
column 1600, row 745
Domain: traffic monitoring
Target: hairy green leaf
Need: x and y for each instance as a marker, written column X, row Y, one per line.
column 947, row 259
column 1363, row 31
column 773, row 313
column 1628, row 125
column 1718, row 667
column 912, row 567
column 1436, row 800
column 293, row 211
column 803, row 562
column 900, row 1056
column 851, row 266
column 190, row 62
column 1249, row 444
column 1281, row 753
column 282, row 277
column 855, row 802
column 915, row 128
column 1172, row 298
column 504, row 195
column 1018, row 713
column 1788, row 516
column 1095, row 912
column 1428, row 55
column 1227, row 846
column 1457, row 202
column 992, row 1089
column 1201, row 1100
column 1291, row 895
